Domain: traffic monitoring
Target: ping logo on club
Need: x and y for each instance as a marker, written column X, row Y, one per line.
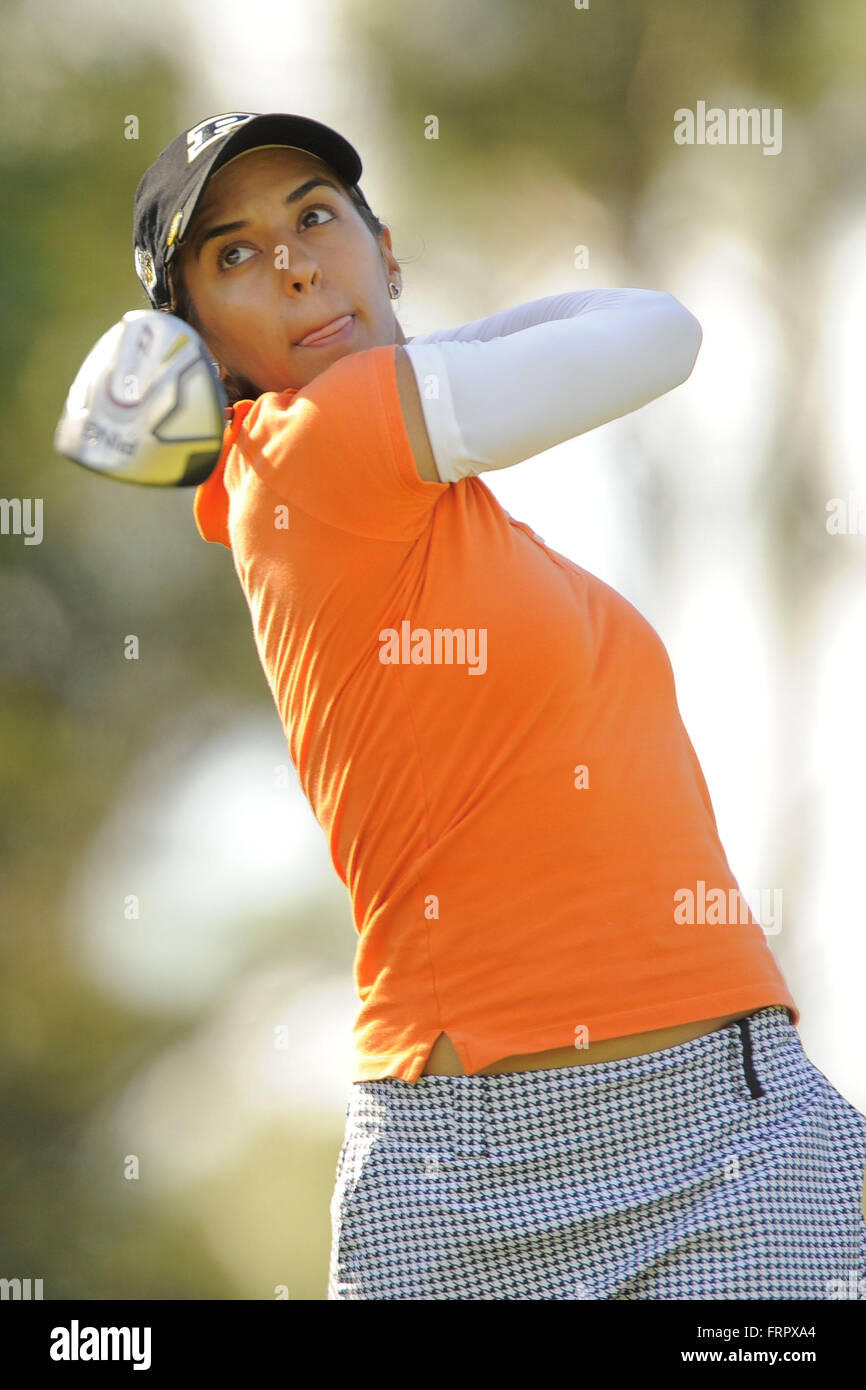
column 203, row 135
column 94, row 433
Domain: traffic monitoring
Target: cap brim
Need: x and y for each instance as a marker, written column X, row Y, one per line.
column 278, row 129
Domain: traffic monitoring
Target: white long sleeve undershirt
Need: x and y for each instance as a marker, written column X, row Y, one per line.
column 507, row 387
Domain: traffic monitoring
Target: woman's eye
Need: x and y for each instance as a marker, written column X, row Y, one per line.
column 230, row 250
column 319, row 207
column 227, row 251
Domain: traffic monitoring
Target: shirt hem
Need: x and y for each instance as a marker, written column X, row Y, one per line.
column 475, row 1053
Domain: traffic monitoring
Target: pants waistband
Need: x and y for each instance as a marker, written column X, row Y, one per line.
column 757, row 1057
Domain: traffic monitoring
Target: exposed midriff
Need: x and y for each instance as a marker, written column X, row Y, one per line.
column 444, row 1061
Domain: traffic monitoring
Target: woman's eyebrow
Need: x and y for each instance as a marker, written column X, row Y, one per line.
column 208, row 233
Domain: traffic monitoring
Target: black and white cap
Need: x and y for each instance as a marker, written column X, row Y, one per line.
column 169, row 192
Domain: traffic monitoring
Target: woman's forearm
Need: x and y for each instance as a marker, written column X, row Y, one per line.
column 583, row 359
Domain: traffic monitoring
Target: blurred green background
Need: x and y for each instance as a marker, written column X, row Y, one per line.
column 209, row 1036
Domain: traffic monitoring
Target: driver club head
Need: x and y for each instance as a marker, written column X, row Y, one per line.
column 146, row 406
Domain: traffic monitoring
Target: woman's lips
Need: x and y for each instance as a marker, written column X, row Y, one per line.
column 332, row 332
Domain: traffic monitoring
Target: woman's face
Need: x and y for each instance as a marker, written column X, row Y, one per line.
column 296, row 264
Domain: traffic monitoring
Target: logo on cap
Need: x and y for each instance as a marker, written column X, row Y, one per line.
column 144, row 268
column 203, row 135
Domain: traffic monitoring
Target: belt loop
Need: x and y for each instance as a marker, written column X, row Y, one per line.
column 755, row 1087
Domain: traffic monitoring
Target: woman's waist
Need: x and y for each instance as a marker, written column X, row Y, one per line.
column 444, row 1060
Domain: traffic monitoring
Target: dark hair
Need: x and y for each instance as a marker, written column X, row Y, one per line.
column 181, row 305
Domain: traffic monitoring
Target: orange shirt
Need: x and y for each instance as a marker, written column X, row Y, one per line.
column 500, row 894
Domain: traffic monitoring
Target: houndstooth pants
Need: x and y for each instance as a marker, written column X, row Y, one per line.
column 725, row 1167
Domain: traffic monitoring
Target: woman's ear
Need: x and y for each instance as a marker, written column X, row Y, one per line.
column 389, row 260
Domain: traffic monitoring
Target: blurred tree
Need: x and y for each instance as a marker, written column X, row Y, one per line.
column 71, row 712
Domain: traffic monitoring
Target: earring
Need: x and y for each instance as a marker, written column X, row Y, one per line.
column 393, row 290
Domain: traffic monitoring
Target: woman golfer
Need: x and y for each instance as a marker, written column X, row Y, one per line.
column 578, row 1073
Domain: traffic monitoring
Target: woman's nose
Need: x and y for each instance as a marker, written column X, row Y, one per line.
column 294, row 265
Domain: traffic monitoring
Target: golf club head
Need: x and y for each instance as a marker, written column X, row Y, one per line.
column 146, row 406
